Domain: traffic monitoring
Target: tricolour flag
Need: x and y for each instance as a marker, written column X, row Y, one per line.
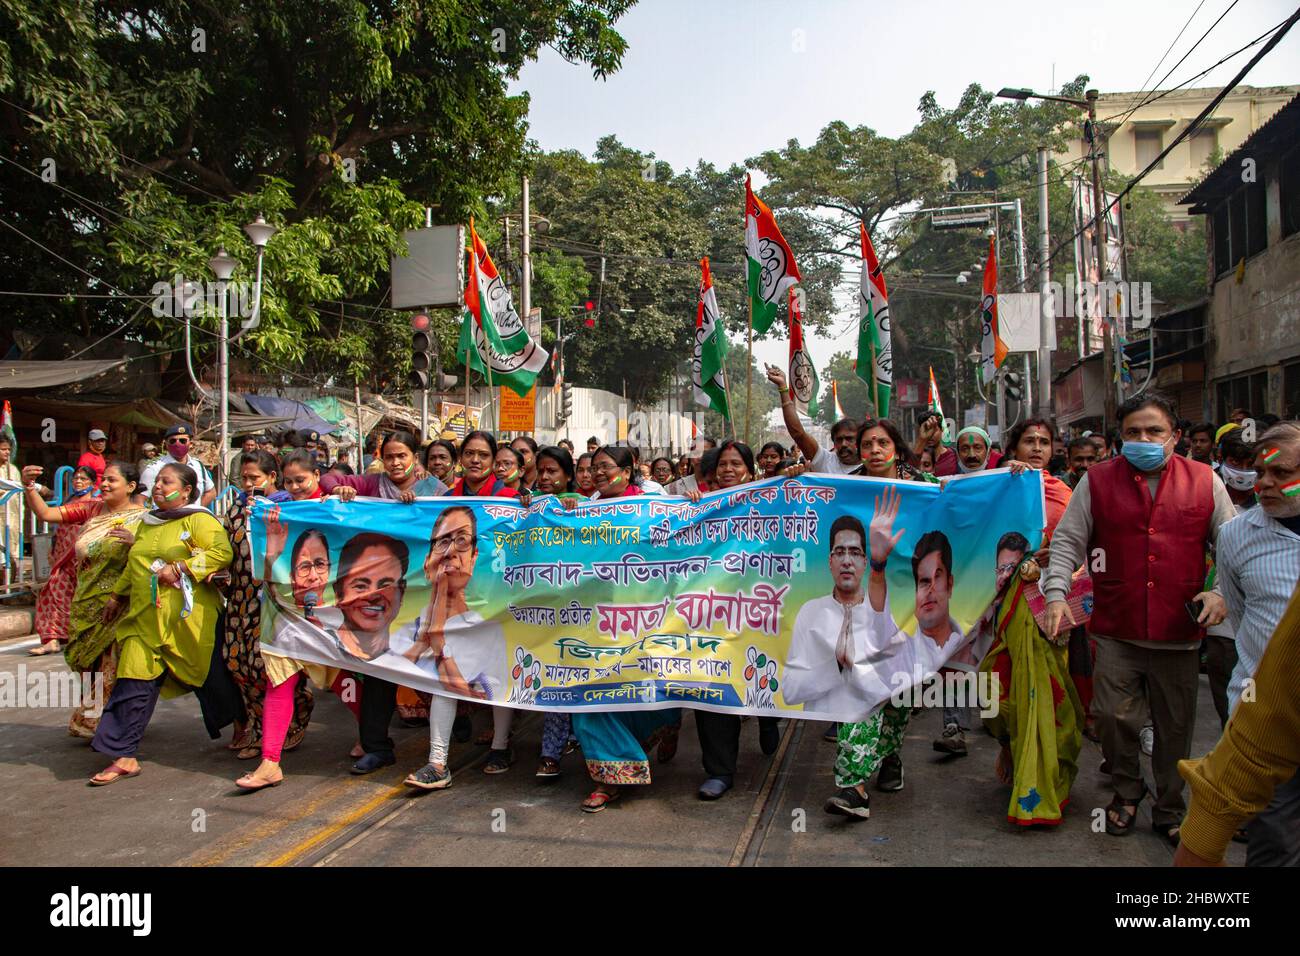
column 993, row 351
column 835, row 401
column 804, row 383
column 771, row 266
column 710, row 371
column 7, row 431
column 936, row 405
column 492, row 337
column 875, row 364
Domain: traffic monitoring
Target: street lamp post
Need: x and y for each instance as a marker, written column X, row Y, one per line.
column 223, row 265
column 1092, row 136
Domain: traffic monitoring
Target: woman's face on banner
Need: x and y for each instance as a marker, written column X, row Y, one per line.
column 311, row 572
column 452, row 552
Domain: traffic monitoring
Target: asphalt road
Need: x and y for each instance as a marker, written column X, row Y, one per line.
column 184, row 809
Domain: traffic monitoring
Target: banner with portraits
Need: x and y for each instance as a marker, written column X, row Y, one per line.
column 760, row 599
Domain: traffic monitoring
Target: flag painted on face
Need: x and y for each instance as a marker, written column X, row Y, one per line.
column 875, row 364
column 804, row 383
column 493, row 340
column 771, row 268
column 993, row 351
column 709, row 365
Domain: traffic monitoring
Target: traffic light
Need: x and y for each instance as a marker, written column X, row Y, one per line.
column 589, row 310
column 1014, row 392
column 421, row 351
column 566, row 404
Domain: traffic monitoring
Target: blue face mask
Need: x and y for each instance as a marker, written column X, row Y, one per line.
column 1144, row 455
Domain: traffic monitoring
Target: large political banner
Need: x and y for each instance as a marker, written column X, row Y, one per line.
column 758, row 600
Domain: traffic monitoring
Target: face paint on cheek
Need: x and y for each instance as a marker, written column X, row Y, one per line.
column 172, row 497
column 409, row 470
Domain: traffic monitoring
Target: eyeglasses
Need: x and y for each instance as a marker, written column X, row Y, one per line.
column 857, row 554
column 304, row 568
column 1007, row 568
column 443, row 545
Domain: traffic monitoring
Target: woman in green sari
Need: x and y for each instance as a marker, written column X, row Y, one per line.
column 1039, row 716
column 100, row 554
column 168, row 631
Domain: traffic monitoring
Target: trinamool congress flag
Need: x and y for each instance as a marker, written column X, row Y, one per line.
column 493, row 339
column 771, row 268
column 710, row 361
column 993, row 351
column 804, row 382
column 936, row 405
column 835, row 401
column 875, row 364
column 733, row 604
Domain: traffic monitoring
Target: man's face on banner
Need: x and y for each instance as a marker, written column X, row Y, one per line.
column 933, row 593
column 848, row 560
column 453, row 551
column 371, row 594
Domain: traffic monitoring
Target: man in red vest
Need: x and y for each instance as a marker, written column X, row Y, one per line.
column 1140, row 523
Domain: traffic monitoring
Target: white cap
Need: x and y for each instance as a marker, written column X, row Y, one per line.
column 97, row 435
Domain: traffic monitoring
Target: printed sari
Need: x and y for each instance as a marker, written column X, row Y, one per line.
column 1039, row 712
column 92, row 649
column 616, row 745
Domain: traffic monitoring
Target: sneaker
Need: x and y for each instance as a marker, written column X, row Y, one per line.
column 891, row 773
column 953, row 741
column 498, row 761
column 430, row 777
column 1148, row 738
column 849, row 803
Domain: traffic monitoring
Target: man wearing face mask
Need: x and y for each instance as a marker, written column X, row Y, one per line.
column 1141, row 522
column 178, row 442
column 1258, row 565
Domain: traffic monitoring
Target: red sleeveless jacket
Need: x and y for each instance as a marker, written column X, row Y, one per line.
column 1153, row 550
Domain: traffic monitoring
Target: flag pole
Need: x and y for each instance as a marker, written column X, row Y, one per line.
column 749, row 375
column 730, row 417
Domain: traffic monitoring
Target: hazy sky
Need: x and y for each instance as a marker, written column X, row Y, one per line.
column 722, row 80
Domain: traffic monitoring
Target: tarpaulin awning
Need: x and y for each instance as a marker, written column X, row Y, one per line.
column 36, row 375
column 299, row 416
column 142, row 413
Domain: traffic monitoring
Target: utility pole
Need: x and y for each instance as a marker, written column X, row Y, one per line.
column 1099, row 238
column 1021, row 279
column 526, row 281
column 1047, row 310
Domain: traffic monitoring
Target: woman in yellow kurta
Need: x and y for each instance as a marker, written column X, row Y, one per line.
column 169, row 628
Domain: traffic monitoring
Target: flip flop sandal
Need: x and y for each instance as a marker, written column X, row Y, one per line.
column 1127, row 811
column 598, row 800
column 294, row 740
column 117, row 772
column 249, row 752
column 548, row 768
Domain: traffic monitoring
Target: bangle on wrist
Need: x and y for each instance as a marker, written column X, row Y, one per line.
column 879, row 567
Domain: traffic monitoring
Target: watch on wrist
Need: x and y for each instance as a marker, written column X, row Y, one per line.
column 879, row 566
